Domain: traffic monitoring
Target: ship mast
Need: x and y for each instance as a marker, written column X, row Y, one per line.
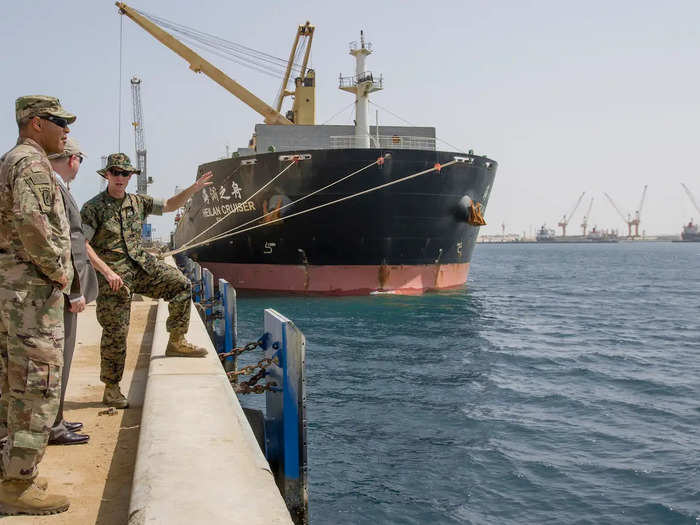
column 362, row 84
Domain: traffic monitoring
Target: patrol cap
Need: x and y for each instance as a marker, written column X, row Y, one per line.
column 72, row 148
column 36, row 105
column 118, row 160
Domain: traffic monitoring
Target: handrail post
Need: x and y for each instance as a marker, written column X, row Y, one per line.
column 208, row 292
column 196, row 282
column 227, row 295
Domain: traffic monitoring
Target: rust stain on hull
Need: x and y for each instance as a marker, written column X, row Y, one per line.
column 383, row 275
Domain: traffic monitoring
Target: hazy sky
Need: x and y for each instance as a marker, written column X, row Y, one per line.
column 567, row 96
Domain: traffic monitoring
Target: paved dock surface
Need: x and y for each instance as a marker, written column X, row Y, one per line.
column 97, row 477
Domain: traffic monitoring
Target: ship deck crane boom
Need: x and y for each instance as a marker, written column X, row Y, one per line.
column 303, row 110
column 565, row 220
column 691, row 197
column 200, row 65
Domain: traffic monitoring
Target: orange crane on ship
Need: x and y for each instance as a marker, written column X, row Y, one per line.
column 586, row 218
column 566, row 218
column 631, row 220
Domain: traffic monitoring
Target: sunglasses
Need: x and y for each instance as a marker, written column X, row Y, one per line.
column 60, row 122
column 120, row 173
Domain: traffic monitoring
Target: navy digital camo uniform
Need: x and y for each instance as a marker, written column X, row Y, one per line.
column 113, row 228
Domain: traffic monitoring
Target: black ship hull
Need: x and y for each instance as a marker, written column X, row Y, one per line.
column 409, row 237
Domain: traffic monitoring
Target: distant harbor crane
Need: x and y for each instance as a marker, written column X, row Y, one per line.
column 586, row 218
column 630, row 220
column 566, row 218
column 103, row 181
column 139, row 138
column 140, row 145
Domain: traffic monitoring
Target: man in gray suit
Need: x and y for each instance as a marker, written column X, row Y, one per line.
column 83, row 289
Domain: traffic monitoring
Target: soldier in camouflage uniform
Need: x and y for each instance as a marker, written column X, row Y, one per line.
column 35, row 269
column 112, row 222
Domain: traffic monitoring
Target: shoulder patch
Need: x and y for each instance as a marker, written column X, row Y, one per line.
column 46, row 196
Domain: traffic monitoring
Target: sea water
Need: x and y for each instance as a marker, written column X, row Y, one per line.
column 560, row 385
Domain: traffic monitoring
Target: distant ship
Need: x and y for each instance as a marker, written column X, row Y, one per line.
column 548, row 235
column 690, row 232
column 545, row 234
column 406, row 237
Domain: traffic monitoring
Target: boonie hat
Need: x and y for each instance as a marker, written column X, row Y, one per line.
column 37, row 105
column 118, row 160
column 71, row 148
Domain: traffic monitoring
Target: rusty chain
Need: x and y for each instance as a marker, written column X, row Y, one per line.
column 243, row 388
column 251, row 386
column 263, row 363
column 238, row 351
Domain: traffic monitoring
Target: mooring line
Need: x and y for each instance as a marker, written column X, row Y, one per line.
column 218, row 221
column 300, row 199
column 437, row 167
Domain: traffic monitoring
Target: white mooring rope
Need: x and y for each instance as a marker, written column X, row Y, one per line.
column 296, row 201
column 437, row 167
column 218, row 221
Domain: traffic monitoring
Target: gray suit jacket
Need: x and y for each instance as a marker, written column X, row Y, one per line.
column 85, row 280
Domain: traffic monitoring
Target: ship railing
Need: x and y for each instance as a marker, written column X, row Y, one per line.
column 354, row 45
column 384, row 141
column 353, row 81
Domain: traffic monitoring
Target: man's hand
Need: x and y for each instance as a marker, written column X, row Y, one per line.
column 77, row 306
column 115, row 282
column 179, row 200
column 204, row 180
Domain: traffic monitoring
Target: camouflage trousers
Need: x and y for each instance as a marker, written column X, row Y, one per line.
column 114, row 309
column 31, row 357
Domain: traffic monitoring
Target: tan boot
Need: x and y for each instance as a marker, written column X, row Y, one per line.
column 41, row 482
column 113, row 397
column 23, row 496
column 179, row 347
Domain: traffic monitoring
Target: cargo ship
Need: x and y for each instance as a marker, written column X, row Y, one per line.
column 690, row 232
column 327, row 209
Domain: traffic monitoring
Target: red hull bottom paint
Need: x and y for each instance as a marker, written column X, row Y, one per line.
column 341, row 280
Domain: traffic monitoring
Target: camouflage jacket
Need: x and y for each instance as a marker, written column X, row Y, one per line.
column 113, row 228
column 35, row 235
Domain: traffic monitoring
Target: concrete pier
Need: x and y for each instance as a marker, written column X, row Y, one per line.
column 183, row 453
column 198, row 460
